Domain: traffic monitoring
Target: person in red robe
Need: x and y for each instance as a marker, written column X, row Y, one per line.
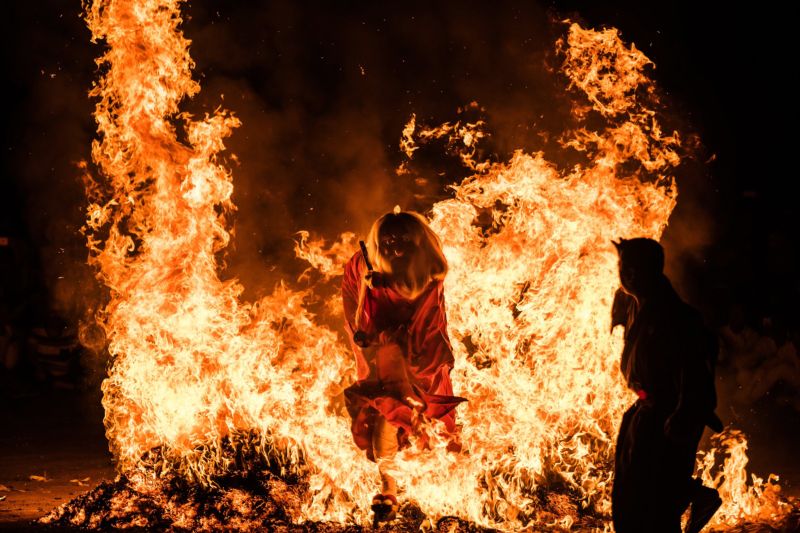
column 395, row 318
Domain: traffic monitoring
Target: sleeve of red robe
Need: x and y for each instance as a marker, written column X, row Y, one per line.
column 350, row 288
column 351, row 285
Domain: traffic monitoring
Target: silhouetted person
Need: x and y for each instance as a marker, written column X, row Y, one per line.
column 668, row 360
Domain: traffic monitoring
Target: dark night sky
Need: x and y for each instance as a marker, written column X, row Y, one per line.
column 319, row 141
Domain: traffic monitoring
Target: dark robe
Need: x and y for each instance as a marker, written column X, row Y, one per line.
column 668, row 360
column 405, row 372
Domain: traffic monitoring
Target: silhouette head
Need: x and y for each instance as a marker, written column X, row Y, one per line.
column 641, row 264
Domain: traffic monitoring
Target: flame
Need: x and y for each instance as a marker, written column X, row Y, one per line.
column 462, row 139
column 742, row 499
column 194, row 367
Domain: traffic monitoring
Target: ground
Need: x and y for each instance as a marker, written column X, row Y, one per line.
column 57, row 436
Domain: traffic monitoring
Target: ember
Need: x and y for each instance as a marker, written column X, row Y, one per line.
column 222, row 412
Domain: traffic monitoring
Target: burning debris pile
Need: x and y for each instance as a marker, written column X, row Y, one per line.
column 253, row 495
column 222, row 413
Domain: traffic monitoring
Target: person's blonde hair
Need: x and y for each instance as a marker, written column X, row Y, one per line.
column 426, row 262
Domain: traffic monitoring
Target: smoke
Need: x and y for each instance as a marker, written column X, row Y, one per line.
column 323, row 93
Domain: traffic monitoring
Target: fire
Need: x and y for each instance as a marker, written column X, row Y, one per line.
column 462, row 137
column 194, row 367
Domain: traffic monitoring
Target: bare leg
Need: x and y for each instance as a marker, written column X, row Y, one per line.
column 384, row 446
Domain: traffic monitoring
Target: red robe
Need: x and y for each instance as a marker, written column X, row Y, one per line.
column 408, row 362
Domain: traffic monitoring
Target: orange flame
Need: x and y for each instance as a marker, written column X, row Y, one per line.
column 528, row 298
column 462, row 137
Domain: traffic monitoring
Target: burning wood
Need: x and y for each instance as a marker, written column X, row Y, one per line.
column 219, row 412
column 254, row 495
